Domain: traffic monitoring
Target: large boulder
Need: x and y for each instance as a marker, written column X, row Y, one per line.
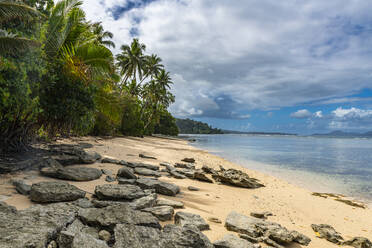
column 34, row 227
column 126, row 173
column 189, row 219
column 327, row 232
column 134, row 236
column 237, row 178
column 147, row 172
column 232, row 241
column 109, row 217
column 159, row 186
column 163, row 213
column 118, row 192
column 73, row 173
column 47, row 192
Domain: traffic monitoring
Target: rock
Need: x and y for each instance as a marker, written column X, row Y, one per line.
column 110, row 160
column 127, row 235
column 188, row 160
column 109, row 179
column 144, row 202
column 46, row 192
column 259, row 230
column 358, row 242
column 186, row 219
column 104, row 235
column 159, row 186
column 176, row 175
column 186, row 172
column 208, row 170
column 146, row 172
column 164, row 164
column 34, row 227
column 109, row 217
column 167, row 202
column 327, row 232
column 89, row 157
column 126, row 173
column 163, row 213
column 72, row 154
column 232, row 241
column 236, row 178
column 78, row 240
column 118, row 192
column 126, row 181
column 73, row 173
column 144, row 156
column 21, row 187
column 83, row 203
column 66, row 160
column 142, row 165
column 102, row 204
column 192, row 188
column 200, row 176
column 107, row 172
column 215, row 220
column 68, row 234
column 185, row 166
column 261, row 215
column 52, row 244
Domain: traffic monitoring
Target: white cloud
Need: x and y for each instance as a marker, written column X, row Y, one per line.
column 318, row 114
column 253, row 54
column 301, row 114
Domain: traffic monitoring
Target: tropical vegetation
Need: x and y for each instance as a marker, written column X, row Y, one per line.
column 188, row 126
column 58, row 77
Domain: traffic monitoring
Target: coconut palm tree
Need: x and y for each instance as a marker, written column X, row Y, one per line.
column 131, row 62
column 152, row 66
column 102, row 36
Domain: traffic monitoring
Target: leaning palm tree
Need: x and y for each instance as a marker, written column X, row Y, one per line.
column 131, row 61
column 102, row 36
column 152, row 66
column 9, row 42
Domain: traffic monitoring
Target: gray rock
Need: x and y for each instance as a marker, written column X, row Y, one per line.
column 109, row 217
column 192, row 188
column 200, row 176
column 46, row 192
column 172, row 236
column 189, row 219
column 232, row 241
column 142, row 165
column 261, row 215
column 102, row 204
column 110, row 161
column 21, row 186
column 33, row 227
column 186, row 172
column 78, row 240
column 126, row 181
column 73, row 173
column 146, row 172
column 52, row 244
column 164, row 164
column 300, row 238
column 67, row 236
column 144, row 202
column 236, row 178
column 328, row 232
column 109, row 179
column 215, row 220
column 188, row 160
column 118, row 192
column 72, row 154
column 159, row 186
column 126, row 173
column 163, row 213
column 83, row 203
column 104, row 235
column 65, row 159
column 358, row 242
column 167, row 202
column 185, row 166
column 145, row 156
column 89, row 157
column 208, row 170
column 107, row 172
column 176, row 175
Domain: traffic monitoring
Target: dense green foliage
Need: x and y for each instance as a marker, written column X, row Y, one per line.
column 58, row 77
column 187, row 126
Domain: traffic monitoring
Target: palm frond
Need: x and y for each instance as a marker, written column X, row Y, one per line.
column 10, row 10
column 11, row 44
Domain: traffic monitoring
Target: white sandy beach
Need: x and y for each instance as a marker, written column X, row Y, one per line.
column 293, row 207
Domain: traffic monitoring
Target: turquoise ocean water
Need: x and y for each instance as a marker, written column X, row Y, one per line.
column 318, row 164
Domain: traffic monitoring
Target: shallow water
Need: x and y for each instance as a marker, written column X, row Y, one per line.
column 319, row 164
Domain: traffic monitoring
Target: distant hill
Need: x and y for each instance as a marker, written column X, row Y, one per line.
column 256, row 133
column 341, row 134
column 188, row 126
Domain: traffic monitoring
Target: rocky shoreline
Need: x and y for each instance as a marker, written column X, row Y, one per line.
column 130, row 209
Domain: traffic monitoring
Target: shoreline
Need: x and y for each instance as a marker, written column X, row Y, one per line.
column 293, row 207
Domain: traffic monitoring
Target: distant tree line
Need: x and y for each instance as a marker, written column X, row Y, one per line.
column 188, row 126
column 58, row 77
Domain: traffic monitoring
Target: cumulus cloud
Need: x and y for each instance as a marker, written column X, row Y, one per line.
column 301, row 114
column 230, row 57
column 352, row 118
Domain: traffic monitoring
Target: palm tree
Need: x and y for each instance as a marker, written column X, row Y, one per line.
column 11, row 43
column 131, row 61
column 152, row 66
column 102, row 35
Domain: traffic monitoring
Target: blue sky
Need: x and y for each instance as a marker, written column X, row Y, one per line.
column 280, row 66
